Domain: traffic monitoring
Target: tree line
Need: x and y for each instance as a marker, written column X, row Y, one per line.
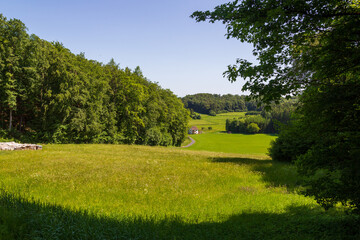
column 265, row 121
column 48, row 94
column 211, row 104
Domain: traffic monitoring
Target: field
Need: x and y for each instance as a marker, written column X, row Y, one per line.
column 216, row 140
column 139, row 192
column 216, row 122
column 232, row 143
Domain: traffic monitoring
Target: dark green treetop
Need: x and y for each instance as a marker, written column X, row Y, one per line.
column 297, row 43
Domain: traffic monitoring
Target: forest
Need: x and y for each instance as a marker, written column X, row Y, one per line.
column 50, row 95
column 207, row 103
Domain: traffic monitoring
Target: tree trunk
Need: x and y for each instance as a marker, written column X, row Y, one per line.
column 10, row 124
column 21, row 122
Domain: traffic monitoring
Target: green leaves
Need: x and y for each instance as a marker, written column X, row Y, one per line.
column 313, row 48
column 325, row 33
column 52, row 95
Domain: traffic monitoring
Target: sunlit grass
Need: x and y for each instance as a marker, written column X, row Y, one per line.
column 233, row 143
column 139, row 191
column 217, row 123
column 217, row 140
column 133, row 180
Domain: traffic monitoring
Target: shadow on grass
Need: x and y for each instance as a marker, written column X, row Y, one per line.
column 275, row 174
column 21, row 219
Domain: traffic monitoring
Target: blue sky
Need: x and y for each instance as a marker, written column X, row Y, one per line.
column 158, row 35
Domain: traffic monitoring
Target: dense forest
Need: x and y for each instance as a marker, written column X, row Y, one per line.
column 207, row 103
column 48, row 94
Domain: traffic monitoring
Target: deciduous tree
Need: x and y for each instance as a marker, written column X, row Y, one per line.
column 311, row 47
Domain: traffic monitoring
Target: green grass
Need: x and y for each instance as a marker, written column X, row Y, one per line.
column 186, row 142
column 216, row 122
column 138, row 192
column 232, row 143
column 216, row 140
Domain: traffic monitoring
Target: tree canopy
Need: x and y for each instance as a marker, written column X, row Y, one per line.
column 310, row 48
column 48, row 94
column 206, row 102
column 297, row 43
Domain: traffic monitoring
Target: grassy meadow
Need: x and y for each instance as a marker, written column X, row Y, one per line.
column 216, row 122
column 217, row 140
column 140, row 192
column 257, row 144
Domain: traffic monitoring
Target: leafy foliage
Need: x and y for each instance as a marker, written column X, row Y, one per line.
column 295, row 42
column 48, row 94
column 309, row 47
column 252, row 128
column 266, row 121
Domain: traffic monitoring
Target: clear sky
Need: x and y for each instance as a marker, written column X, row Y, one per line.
column 157, row 35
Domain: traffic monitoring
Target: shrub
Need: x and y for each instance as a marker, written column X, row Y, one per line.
column 153, row 137
column 166, row 139
column 252, row 128
column 291, row 142
column 212, row 113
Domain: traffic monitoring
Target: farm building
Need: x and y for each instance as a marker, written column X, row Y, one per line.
column 193, row 130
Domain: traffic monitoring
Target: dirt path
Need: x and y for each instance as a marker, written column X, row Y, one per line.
column 192, row 142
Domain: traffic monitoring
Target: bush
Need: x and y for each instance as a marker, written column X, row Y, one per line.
column 291, row 142
column 166, row 139
column 210, row 128
column 252, row 128
column 324, row 143
column 153, row 137
column 212, row 113
column 194, row 115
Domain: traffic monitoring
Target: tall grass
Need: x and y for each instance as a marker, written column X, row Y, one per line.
column 137, row 192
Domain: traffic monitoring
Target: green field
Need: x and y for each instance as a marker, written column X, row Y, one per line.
column 216, row 140
column 139, row 192
column 232, row 143
column 216, row 122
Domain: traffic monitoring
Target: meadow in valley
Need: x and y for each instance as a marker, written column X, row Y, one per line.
column 214, row 137
column 113, row 163
column 141, row 192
